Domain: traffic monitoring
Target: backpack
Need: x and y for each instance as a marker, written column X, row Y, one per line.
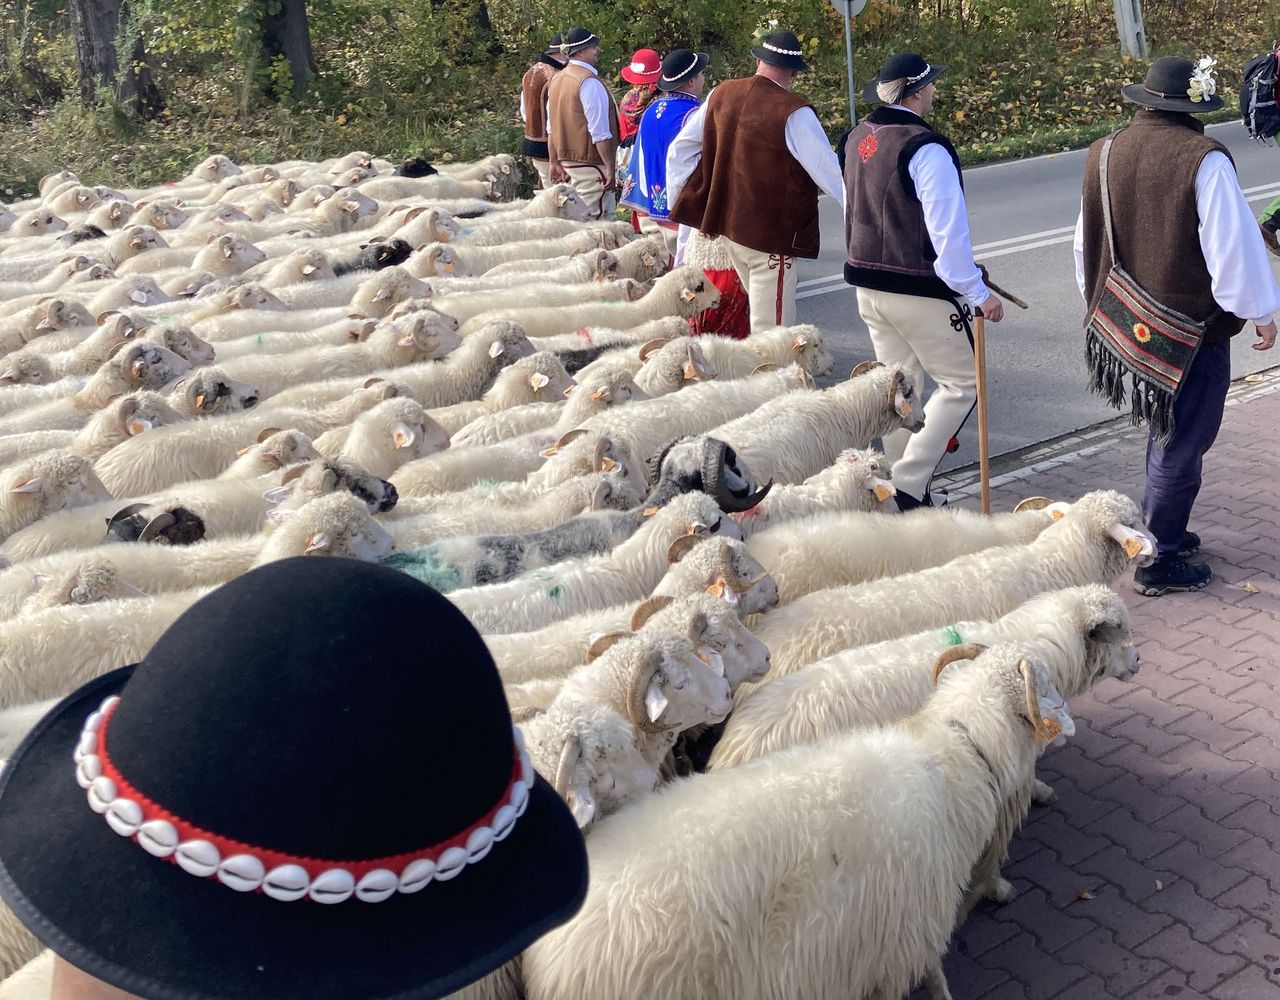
column 1258, row 96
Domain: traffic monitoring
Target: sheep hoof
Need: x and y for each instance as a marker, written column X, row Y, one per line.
column 1042, row 794
column 935, row 984
column 1001, row 891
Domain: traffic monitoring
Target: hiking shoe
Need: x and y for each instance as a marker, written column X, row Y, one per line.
column 907, row 502
column 1171, row 575
column 1189, row 545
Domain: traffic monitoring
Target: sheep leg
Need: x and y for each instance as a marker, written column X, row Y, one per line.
column 985, row 882
column 935, row 983
column 1041, row 793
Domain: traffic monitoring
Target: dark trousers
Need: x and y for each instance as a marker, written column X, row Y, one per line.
column 1173, row 472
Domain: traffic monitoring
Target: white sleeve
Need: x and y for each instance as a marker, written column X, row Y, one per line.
column 1232, row 244
column 1077, row 251
column 810, row 146
column 947, row 220
column 523, row 116
column 685, row 153
column 595, row 105
column 682, row 242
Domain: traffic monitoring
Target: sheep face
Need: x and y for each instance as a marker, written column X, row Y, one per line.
column 441, row 261
column 213, row 169
column 353, row 206
column 38, row 222
column 183, row 341
column 135, row 290
column 50, row 181
column 312, row 197
column 53, row 481
column 208, row 392
column 422, row 336
column 1111, row 520
column 539, row 378
column 253, row 296
column 672, row 365
column 302, row 265
column 92, row 581
column 395, row 432
column 860, row 476
column 229, row 253
column 26, row 369
column 325, row 476
column 61, row 314
column 694, row 293
column 76, row 199
column 160, row 215
column 641, row 260
column 734, row 575
column 145, row 366
column 809, row 351
column 276, row 449
column 111, row 215
column 1108, row 639
column 566, row 203
column 595, row 762
column 218, row 215
column 135, row 240
column 140, row 412
column 719, row 637
column 611, row 387
column 283, row 191
column 73, row 266
column 711, row 466
column 377, row 295
column 677, row 690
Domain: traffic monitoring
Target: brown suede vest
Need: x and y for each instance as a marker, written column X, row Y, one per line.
column 533, row 87
column 568, row 120
column 887, row 241
column 1152, row 177
column 747, row 186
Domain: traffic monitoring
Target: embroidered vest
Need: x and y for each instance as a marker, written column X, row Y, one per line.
column 569, row 121
column 887, row 242
column 659, row 126
column 747, row 186
column 1152, row 176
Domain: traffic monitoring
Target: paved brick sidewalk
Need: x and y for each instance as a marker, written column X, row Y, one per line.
column 1168, row 811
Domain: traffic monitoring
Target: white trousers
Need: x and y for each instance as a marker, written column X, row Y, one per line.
column 770, row 281
column 588, row 180
column 666, row 237
column 916, row 332
column 544, row 172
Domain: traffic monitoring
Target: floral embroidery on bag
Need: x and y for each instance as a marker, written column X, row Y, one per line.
column 1141, row 332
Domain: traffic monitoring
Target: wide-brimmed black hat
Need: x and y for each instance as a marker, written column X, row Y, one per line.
column 907, row 66
column 680, row 66
column 578, row 39
column 318, row 731
column 781, row 48
column 1169, row 86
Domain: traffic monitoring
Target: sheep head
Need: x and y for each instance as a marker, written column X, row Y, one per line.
column 860, row 476
column 147, row 366
column 1103, row 620
column 274, row 449
column 669, row 365
column 502, row 342
column 641, row 260
column 214, row 168
column 712, row 466
column 26, row 369
column 62, row 314
column 229, row 253
column 611, row 387
column 210, row 391
column 338, row 524
column 132, row 290
column 140, row 412
column 183, row 341
column 249, row 295
column 377, row 294
column 539, row 378
column 351, row 206
column 426, row 335
column 393, row 433
column 37, row 222
column 161, row 524
column 160, row 214
column 50, row 181
column 52, row 481
column 321, row 477
column 719, row 638
column 808, row 349
column 89, row 582
column 668, row 686
column 724, row 568
column 564, row 202
column 441, row 260
column 1108, row 514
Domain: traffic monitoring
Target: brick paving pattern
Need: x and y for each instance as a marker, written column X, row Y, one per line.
column 1156, row 874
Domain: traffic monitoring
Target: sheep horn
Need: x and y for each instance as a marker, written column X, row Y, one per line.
column 568, row 436
column 157, row 524
column 266, row 432
column 570, row 754
column 600, row 457
column 864, row 367
column 637, row 710
column 124, row 512
column 653, row 345
column 965, row 651
column 681, row 546
column 597, row 648
column 768, row 366
column 647, row 609
column 1045, row 732
column 1032, row 503
column 895, row 384
column 524, row 713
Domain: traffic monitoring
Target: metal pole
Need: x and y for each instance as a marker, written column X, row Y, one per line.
column 848, row 56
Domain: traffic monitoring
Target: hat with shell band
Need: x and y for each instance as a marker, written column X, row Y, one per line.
column 578, row 39
column 782, row 49
column 907, row 66
column 309, row 788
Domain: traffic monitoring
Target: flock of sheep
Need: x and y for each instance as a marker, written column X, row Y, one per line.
column 674, row 546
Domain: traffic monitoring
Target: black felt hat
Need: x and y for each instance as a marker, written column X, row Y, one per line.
column 556, row 39
column 680, row 66
column 317, row 731
column 1168, row 87
column 781, row 48
column 578, row 39
column 904, row 66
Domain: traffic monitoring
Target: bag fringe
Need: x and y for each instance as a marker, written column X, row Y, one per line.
column 1148, row 402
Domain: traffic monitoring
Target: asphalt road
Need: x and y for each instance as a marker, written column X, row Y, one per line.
column 1022, row 215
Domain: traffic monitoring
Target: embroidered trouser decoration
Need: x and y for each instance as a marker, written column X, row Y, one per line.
column 588, row 180
column 770, row 281
column 782, row 264
column 925, row 336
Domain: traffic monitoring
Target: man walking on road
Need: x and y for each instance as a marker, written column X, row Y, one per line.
column 582, row 144
column 747, row 166
column 909, row 254
column 533, row 108
column 1184, row 233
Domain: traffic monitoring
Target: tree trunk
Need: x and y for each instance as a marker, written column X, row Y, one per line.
column 285, row 32
column 95, row 29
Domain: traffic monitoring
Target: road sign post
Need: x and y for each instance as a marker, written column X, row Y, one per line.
column 1133, row 37
column 850, row 9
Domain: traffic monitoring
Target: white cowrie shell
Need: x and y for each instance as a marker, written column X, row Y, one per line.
column 108, row 703
column 334, row 886
column 526, row 769
column 451, row 863
column 503, row 822
column 158, row 838
column 416, row 875
column 124, row 816
column 479, row 843
column 376, row 886
column 88, row 770
column 241, row 872
column 93, row 722
column 102, row 792
column 197, row 857
column 88, row 744
column 520, row 797
column 518, row 733
column 287, row 883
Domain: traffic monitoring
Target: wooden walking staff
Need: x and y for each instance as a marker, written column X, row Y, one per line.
column 980, row 359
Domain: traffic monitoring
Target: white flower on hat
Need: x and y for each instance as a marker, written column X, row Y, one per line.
column 1202, row 85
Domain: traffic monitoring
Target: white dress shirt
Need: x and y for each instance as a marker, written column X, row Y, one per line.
column 1230, row 241
column 595, row 103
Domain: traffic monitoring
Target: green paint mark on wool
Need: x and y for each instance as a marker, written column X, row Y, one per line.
column 422, row 565
column 952, row 636
column 259, row 340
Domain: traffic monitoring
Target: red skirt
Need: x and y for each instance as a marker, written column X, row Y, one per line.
column 732, row 318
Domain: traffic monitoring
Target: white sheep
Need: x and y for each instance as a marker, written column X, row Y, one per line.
column 684, row 292
column 47, row 317
column 387, row 436
column 49, row 482
column 854, row 482
column 344, row 330
column 811, row 897
column 122, row 419
column 83, row 359
column 1093, row 543
column 539, row 378
column 273, row 451
column 518, row 230
column 125, row 293
column 226, row 254
column 463, row 306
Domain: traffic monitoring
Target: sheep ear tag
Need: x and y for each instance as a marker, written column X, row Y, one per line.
column 1137, row 544
column 582, row 805
column 722, row 590
column 1058, row 510
column 277, row 494
column 690, row 371
column 538, row 381
column 712, row 659
column 687, row 294
column 655, row 702
column 317, row 542
column 138, row 296
column 495, row 349
column 402, row 435
column 1056, row 724
column 882, row 489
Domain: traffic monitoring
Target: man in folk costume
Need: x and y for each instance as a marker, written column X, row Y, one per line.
column 1183, row 233
column 533, row 108
column 681, row 81
column 909, row 254
column 583, row 125
column 748, row 166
